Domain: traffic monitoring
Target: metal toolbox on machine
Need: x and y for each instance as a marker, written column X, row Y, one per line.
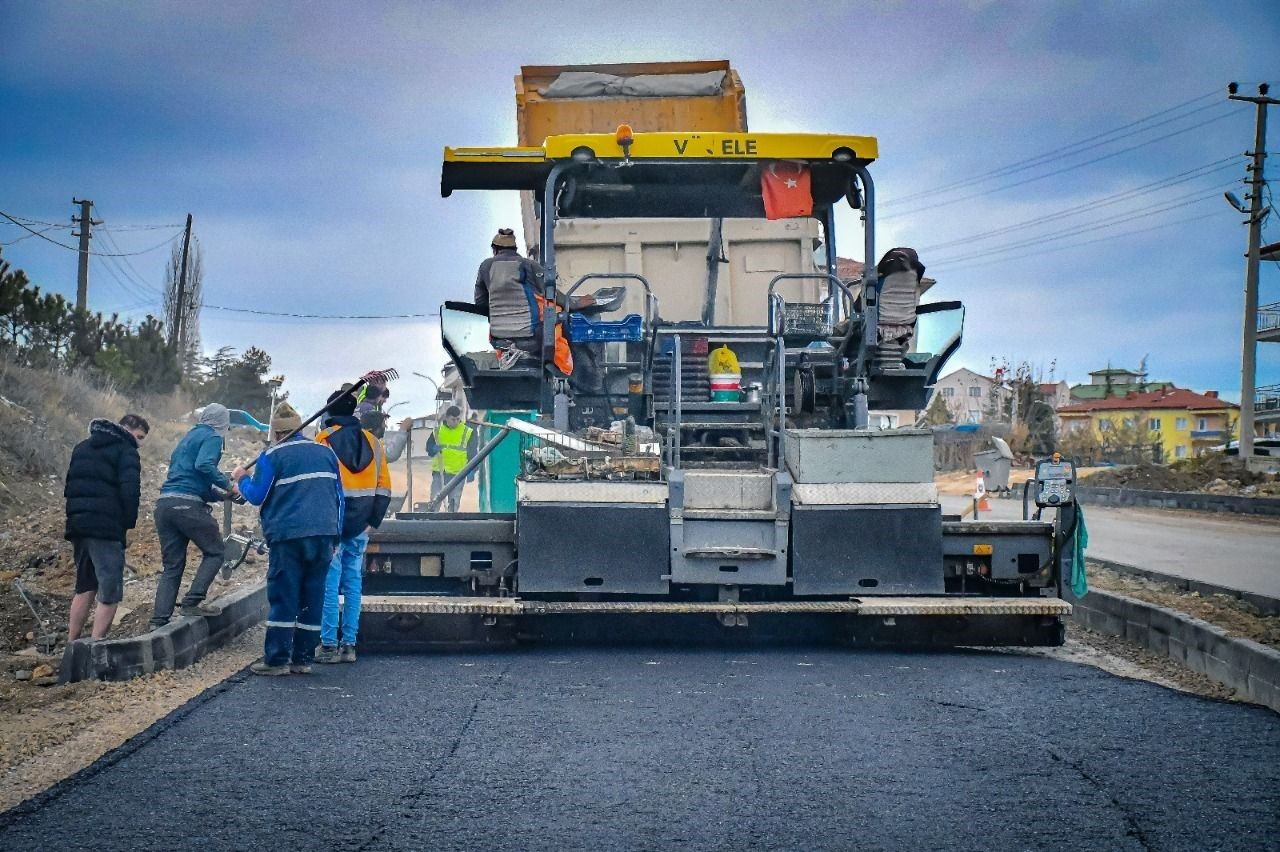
column 864, row 455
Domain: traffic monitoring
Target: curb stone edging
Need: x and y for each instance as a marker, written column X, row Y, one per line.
column 1265, row 604
column 175, row 646
column 1107, row 495
column 1248, row 667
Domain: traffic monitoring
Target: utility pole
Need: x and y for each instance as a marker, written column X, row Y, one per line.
column 86, row 222
column 1256, row 182
column 175, row 333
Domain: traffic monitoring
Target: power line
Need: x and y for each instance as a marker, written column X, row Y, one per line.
column 1075, row 231
column 1104, row 201
column 1130, row 233
column 1063, row 170
column 1031, row 162
column 320, row 316
column 25, row 237
column 75, row 249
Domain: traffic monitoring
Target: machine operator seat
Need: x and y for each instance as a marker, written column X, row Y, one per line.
column 900, row 273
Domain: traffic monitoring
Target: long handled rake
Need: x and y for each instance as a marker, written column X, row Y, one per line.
column 373, row 376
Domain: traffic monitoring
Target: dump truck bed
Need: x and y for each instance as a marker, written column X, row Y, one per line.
column 538, row 116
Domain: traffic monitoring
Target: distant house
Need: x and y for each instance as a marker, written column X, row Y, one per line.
column 966, row 394
column 1056, row 394
column 1114, row 382
column 1185, row 423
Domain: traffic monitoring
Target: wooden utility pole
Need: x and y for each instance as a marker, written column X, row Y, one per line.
column 179, row 312
column 86, row 222
column 1257, row 183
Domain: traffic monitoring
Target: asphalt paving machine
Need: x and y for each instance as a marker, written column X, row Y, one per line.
column 674, row 492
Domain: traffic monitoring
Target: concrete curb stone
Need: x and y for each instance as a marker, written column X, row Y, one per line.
column 1264, row 604
column 1110, row 496
column 1250, row 668
column 177, row 645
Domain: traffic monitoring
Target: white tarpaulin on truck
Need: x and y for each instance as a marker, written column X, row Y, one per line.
column 592, row 84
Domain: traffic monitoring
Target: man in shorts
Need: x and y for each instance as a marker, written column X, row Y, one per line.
column 102, row 492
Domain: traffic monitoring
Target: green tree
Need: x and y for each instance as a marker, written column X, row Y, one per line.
column 938, row 413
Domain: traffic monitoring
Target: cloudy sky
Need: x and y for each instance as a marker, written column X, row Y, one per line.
column 306, row 140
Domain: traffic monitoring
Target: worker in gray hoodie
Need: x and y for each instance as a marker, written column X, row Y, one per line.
column 184, row 515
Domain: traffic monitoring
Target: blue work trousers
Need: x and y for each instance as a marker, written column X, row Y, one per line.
column 344, row 577
column 295, row 595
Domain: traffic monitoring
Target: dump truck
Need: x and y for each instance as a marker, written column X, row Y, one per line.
column 720, row 479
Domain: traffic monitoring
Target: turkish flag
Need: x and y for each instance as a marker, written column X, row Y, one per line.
column 786, row 189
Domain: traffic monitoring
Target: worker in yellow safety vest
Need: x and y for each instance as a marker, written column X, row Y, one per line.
column 452, row 444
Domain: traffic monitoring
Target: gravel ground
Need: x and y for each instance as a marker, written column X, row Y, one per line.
column 554, row 748
column 1231, row 614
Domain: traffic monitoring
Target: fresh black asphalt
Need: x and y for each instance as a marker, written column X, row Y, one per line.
column 603, row 748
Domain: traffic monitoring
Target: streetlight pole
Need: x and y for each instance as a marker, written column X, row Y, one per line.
column 1256, row 182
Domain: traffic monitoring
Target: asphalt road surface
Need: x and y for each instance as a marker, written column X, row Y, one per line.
column 1239, row 553
column 601, row 748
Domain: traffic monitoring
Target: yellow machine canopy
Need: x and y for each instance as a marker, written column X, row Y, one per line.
column 670, row 174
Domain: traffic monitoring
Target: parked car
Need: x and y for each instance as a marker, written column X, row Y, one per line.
column 1261, row 447
column 240, row 419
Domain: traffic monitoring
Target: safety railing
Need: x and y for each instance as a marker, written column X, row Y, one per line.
column 1269, row 317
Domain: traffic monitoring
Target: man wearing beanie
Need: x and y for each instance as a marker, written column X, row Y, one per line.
column 183, row 515
column 366, row 487
column 510, row 289
column 297, row 483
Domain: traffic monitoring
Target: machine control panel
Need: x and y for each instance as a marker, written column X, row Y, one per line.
column 1055, row 482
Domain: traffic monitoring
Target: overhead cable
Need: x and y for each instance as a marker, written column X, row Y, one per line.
column 319, row 316
column 1104, row 201
column 975, row 264
column 1030, row 162
column 1056, row 172
column 1075, row 231
column 39, row 234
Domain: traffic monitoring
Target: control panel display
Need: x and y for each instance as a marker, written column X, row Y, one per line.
column 1055, row 483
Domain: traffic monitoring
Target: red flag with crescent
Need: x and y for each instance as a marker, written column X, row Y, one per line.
column 786, row 188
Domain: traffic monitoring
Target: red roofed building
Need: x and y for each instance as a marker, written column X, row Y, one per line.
column 1182, row 422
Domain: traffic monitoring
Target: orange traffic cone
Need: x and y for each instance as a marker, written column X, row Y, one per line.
column 980, row 494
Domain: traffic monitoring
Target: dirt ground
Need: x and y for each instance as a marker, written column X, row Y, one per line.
column 36, row 560
column 1213, row 473
column 963, row 482
column 1231, row 614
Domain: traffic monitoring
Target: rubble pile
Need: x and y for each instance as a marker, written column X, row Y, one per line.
column 1211, row 474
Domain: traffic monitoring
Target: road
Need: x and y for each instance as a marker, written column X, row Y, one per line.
column 1239, row 553
column 601, row 748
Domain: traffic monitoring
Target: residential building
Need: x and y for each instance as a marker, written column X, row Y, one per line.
column 1114, row 382
column 1056, row 394
column 967, row 394
column 1184, row 423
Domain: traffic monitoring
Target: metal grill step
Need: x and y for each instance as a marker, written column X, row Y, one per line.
column 874, row 607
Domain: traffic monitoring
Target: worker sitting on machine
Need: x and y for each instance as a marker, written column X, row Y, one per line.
column 510, row 288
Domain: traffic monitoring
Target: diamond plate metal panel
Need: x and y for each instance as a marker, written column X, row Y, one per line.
column 728, row 489
column 864, row 493
column 581, row 491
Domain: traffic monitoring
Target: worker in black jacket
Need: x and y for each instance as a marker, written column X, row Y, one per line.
column 103, row 489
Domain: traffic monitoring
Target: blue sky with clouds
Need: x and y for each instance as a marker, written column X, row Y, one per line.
column 306, row 140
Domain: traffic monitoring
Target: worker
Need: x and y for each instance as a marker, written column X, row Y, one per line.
column 366, row 487
column 298, row 484
column 452, row 444
column 510, row 288
column 183, row 515
column 394, row 443
column 102, row 490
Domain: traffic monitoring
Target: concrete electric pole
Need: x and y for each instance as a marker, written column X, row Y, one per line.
column 1256, row 182
column 86, row 222
column 175, row 339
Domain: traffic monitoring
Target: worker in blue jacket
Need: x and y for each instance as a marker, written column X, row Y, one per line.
column 297, row 483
